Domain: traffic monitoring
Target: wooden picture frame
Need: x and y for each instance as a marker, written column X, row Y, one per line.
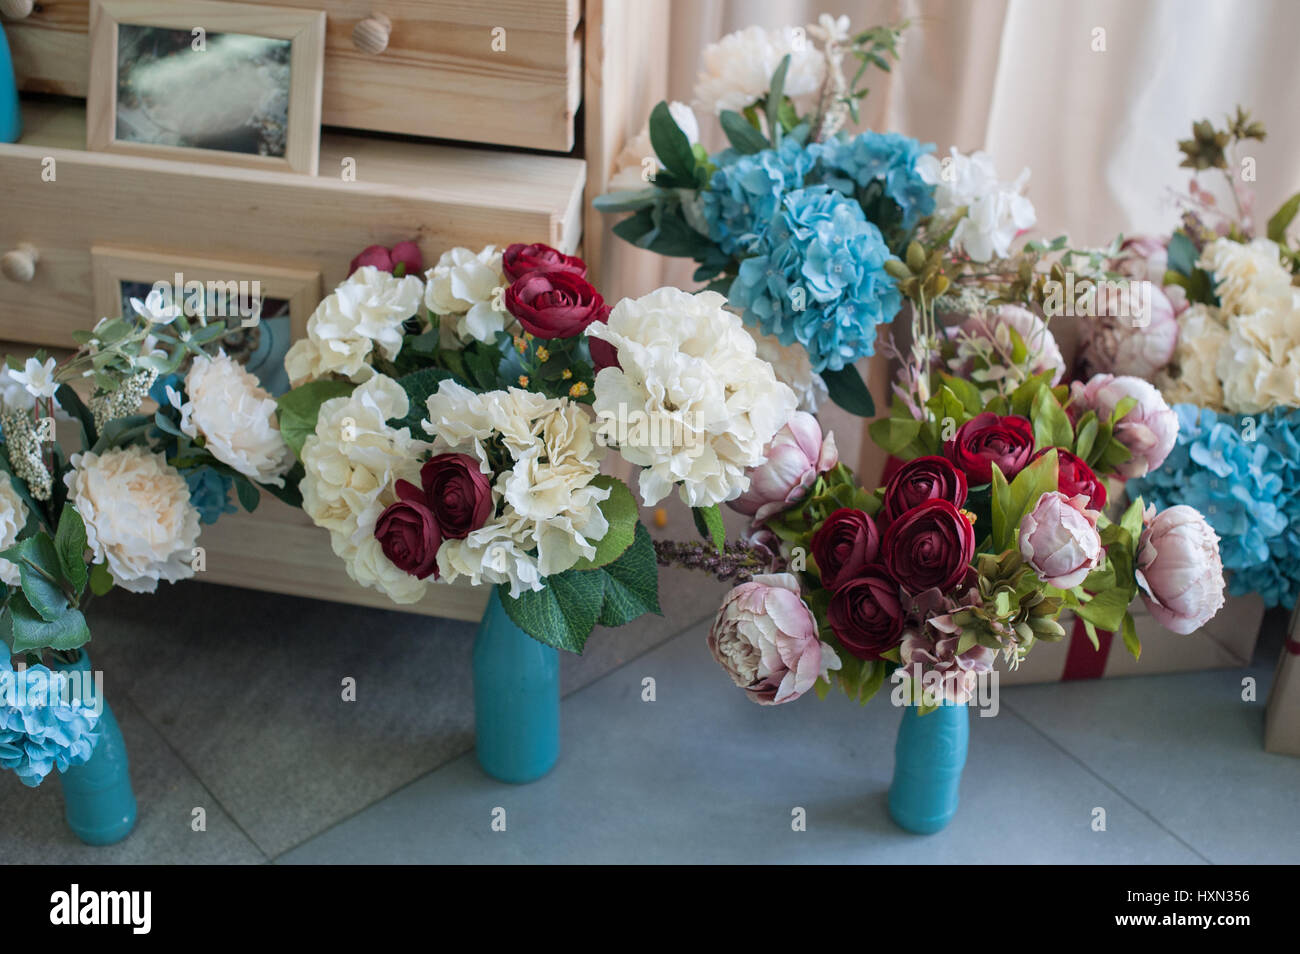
column 300, row 288
column 303, row 29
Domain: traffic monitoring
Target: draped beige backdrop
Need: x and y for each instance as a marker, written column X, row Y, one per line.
column 1090, row 94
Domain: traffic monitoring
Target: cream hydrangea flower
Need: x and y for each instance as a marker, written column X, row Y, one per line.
column 236, row 418
column 363, row 315
column 692, row 403
column 1200, row 339
column 550, row 509
column 736, row 72
column 13, row 517
column 138, row 516
column 351, row 464
column 463, row 285
column 1248, row 278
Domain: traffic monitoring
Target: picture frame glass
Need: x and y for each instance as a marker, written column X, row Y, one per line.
column 226, row 92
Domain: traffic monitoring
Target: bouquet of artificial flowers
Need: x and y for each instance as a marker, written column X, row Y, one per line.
column 797, row 220
column 1223, row 345
column 123, row 511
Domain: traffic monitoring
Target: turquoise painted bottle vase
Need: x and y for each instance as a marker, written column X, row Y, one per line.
column 98, row 800
column 516, row 699
column 11, row 123
column 928, row 761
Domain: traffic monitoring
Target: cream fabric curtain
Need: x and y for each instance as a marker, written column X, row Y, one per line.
column 1090, row 94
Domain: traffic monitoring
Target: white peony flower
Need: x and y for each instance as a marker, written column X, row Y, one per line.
column 995, row 211
column 1201, row 337
column 792, row 368
column 736, row 72
column 37, row 378
column 13, row 517
column 1248, row 278
column 362, row 315
column 236, row 419
column 352, row 463
column 138, row 516
column 465, row 286
column 693, row 403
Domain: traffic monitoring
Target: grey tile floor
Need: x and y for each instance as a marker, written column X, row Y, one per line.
column 230, row 701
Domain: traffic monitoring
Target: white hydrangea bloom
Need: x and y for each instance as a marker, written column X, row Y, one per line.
column 995, row 211
column 466, row 286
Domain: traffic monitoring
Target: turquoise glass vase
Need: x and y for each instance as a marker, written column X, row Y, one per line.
column 97, row 797
column 516, row 699
column 11, row 122
column 928, row 761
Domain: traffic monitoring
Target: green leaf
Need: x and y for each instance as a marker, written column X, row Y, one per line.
column 70, row 542
column 32, row 632
column 1032, row 482
column 298, row 409
column 620, row 513
column 1003, row 527
column 1182, row 254
column 776, row 92
column 743, row 137
column 247, row 492
column 631, row 583
column 123, row 431
column 708, row 521
column 1131, row 641
column 1085, row 435
column 626, row 200
column 1281, row 220
column 671, row 145
column 71, row 402
column 1106, row 610
column 966, row 391
column 40, row 572
column 1051, row 423
column 419, row 386
column 1131, row 522
column 849, row 391
column 101, row 581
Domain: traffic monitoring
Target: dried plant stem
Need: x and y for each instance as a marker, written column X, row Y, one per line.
column 737, row 561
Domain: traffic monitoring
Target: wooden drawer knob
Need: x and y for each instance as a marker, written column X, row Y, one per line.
column 369, row 35
column 16, row 9
column 19, row 265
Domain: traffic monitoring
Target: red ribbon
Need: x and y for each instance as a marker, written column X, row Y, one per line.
column 1293, row 647
column 1081, row 660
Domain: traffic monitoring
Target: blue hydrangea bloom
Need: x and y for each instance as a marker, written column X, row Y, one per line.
column 35, row 735
column 1243, row 474
column 889, row 157
column 745, row 191
column 210, row 493
column 817, row 276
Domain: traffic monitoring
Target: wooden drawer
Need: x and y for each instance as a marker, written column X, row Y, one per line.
column 441, row 195
column 438, row 77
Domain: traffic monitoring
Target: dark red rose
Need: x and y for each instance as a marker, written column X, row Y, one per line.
column 408, row 533
column 930, row 545
column 866, row 614
column 458, row 493
column 406, row 254
column 919, row 480
column 554, row 304
column 518, row 260
column 987, row 439
column 603, row 354
column 1073, row 477
column 844, row 545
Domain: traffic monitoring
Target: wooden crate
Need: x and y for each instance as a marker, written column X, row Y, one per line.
column 441, row 195
column 439, row 75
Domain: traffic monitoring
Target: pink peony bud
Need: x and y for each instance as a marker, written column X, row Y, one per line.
column 1059, row 539
column 1179, row 569
column 1142, row 256
column 795, row 457
column 1134, row 336
column 1149, row 430
column 765, row 637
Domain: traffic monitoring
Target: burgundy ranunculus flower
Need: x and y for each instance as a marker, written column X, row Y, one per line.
column 458, row 493
column 845, row 544
column 866, row 614
column 408, row 533
column 987, row 439
column 930, row 545
column 603, row 354
column 519, row 259
column 1074, row 477
column 554, row 304
column 406, row 254
column 919, row 480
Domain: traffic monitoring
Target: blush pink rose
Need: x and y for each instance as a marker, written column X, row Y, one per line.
column 1149, row 430
column 1179, row 569
column 797, row 454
